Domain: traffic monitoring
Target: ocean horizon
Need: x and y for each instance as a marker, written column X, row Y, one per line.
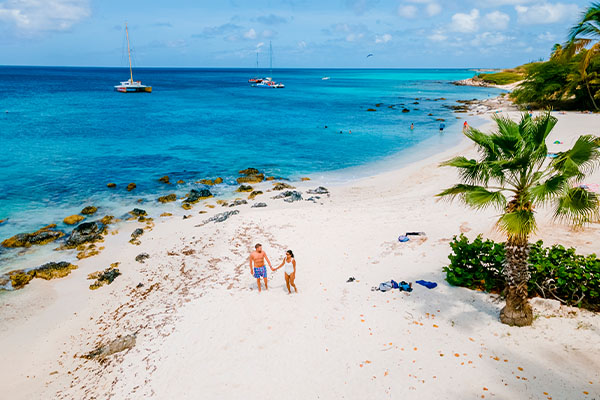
column 66, row 133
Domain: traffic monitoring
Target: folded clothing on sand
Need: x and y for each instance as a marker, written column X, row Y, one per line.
column 427, row 284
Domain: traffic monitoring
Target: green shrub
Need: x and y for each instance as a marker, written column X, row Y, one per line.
column 556, row 272
column 501, row 78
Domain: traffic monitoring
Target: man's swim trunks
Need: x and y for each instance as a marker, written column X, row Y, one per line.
column 260, row 272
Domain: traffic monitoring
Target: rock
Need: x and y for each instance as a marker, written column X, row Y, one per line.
column 220, row 217
column 206, row 182
column 244, row 188
column 371, row 109
column 256, row 178
column 282, row 186
column 196, row 195
column 107, row 220
column 305, row 179
column 105, row 277
column 137, row 233
column 168, row 198
column 73, row 219
column 165, row 179
column 289, row 196
column 187, row 216
column 430, row 115
column 218, row 181
column 53, row 270
column 166, row 214
column 222, row 203
column 111, row 185
column 313, row 199
column 140, row 201
column 45, row 235
column 405, row 110
column 20, row 278
column 118, row 345
column 141, row 257
column 89, row 210
column 270, row 178
column 85, row 233
column 138, row 212
column 378, row 104
column 259, row 205
column 180, row 182
column 238, row 202
column 186, row 206
column 319, row 190
column 202, row 212
column 254, row 194
column 416, row 102
column 139, row 285
column 131, row 186
column 249, row 171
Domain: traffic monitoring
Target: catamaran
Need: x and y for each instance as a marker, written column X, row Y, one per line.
column 268, row 82
column 131, row 85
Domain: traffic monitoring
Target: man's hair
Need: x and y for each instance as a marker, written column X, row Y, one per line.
column 257, row 245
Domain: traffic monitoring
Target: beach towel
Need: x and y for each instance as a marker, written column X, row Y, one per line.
column 427, row 284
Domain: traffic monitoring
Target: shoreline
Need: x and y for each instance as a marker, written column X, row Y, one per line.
column 198, row 304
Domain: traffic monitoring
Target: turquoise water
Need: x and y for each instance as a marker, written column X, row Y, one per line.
column 65, row 133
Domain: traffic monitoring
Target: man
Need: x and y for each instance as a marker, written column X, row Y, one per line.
column 259, row 270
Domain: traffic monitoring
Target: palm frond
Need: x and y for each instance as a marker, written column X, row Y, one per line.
column 475, row 196
column 589, row 24
column 471, row 171
column 578, row 207
column 581, row 159
column 549, row 189
column 517, row 224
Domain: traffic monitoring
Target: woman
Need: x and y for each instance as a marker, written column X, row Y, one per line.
column 289, row 264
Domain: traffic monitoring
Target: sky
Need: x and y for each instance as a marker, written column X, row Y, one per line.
column 304, row 33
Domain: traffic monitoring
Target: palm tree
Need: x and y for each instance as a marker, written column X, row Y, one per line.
column 581, row 35
column 514, row 175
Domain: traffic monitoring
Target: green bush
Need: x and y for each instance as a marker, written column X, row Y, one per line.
column 501, row 78
column 556, row 272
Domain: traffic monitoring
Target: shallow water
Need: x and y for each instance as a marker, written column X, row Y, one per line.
column 65, row 133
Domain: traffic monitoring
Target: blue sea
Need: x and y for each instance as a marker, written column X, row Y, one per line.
column 65, row 133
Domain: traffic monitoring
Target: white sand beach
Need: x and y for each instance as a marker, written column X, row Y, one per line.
column 202, row 330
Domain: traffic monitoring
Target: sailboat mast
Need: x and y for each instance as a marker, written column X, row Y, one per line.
column 271, row 57
column 129, row 53
column 257, row 63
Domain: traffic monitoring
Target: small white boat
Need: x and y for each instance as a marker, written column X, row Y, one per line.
column 325, row 78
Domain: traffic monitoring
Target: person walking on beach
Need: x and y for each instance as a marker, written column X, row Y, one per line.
column 465, row 126
column 289, row 264
column 257, row 265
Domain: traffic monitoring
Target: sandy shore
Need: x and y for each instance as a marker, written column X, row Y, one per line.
column 203, row 331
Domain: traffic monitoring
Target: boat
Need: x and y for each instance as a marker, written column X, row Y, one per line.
column 266, row 82
column 256, row 80
column 131, row 86
column 325, row 78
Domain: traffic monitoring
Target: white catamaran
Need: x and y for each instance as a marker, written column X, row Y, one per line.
column 131, row 85
column 268, row 82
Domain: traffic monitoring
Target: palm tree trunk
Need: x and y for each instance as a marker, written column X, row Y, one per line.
column 517, row 311
column 587, row 84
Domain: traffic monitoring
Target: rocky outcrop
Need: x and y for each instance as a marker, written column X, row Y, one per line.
column 319, row 190
column 249, row 171
column 137, row 233
column 405, row 110
column 105, row 277
column 53, row 270
column 118, row 345
column 282, row 186
column 111, row 185
column 253, row 195
column 165, row 179
column 251, row 175
column 180, row 182
column 289, row 196
column 73, row 219
column 259, row 205
column 218, row 181
column 43, row 236
column 371, row 109
column 186, row 206
column 195, row 195
column 107, row 220
column 20, row 278
column 221, row 217
column 238, row 202
column 207, row 182
column 166, row 214
column 168, row 198
column 87, row 232
column 131, row 186
column 138, row 212
column 89, row 210
column 244, row 188
column 142, row 257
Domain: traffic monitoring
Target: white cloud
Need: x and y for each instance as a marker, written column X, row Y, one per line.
column 496, row 20
column 251, row 34
column 353, row 37
column 386, row 37
column 489, row 39
column 547, row 37
column 30, row 16
column 302, row 44
column 437, row 36
column 546, row 13
column 465, row 22
column 407, row 11
column 433, row 9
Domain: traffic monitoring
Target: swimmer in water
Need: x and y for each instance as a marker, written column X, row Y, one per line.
column 412, row 126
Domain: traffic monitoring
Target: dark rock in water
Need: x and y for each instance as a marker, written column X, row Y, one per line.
column 319, row 190
column 85, row 233
column 141, row 257
column 45, row 235
column 107, row 220
column 137, row 233
column 53, row 270
column 238, row 202
column 131, row 186
column 259, row 205
column 430, row 115
column 282, row 186
column 138, row 212
column 244, row 188
column 207, row 182
column 180, row 182
column 118, row 345
column 441, row 119
column 289, row 196
column 111, row 185
column 105, row 277
column 416, row 102
column 249, row 171
column 168, row 198
column 165, row 179
column 252, row 178
column 254, row 194
column 20, row 278
column 196, row 195
column 371, row 109
column 220, row 217
column 218, row 181
column 89, row 210
column 73, row 219
column 405, row 110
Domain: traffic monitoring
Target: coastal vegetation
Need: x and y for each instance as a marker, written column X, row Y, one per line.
column 514, row 175
column 505, row 77
column 555, row 272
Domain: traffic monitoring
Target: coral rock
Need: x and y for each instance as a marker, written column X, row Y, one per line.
column 244, row 188
column 168, row 198
column 218, row 181
column 249, row 171
column 131, row 186
column 196, row 195
column 73, row 219
column 107, row 220
column 281, row 186
column 138, row 212
column 165, row 179
column 166, row 214
column 53, row 270
column 20, row 278
column 45, row 235
column 111, row 185
column 254, row 194
column 85, row 233
column 89, row 210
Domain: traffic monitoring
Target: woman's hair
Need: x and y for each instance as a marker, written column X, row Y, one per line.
column 291, row 253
